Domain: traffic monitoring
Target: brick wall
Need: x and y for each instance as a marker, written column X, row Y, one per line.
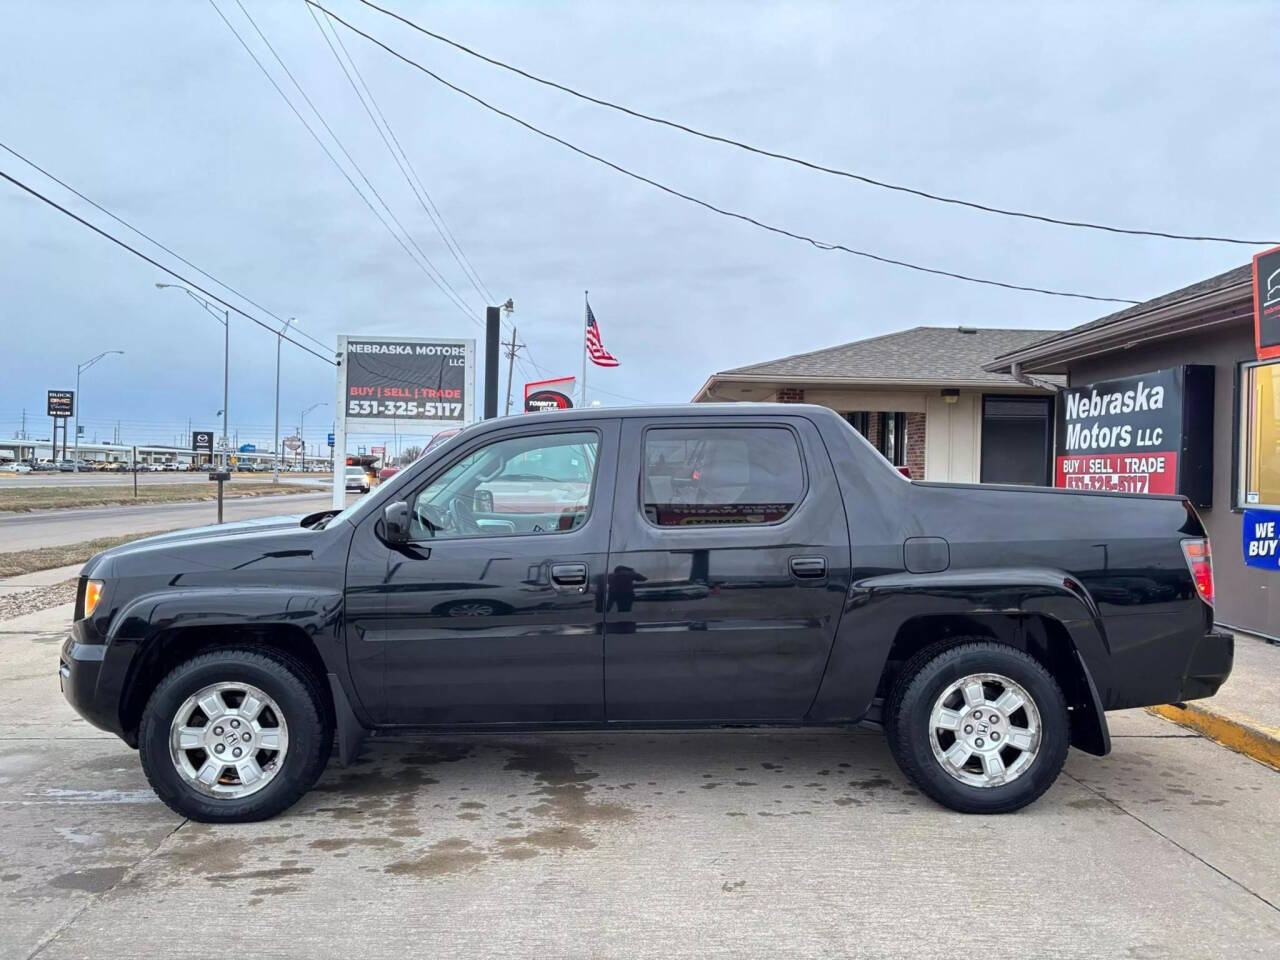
column 915, row 444
column 791, row 395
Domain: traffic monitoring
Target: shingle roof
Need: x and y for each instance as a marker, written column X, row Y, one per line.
column 1223, row 281
column 929, row 354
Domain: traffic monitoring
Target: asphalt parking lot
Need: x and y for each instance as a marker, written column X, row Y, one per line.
column 725, row 843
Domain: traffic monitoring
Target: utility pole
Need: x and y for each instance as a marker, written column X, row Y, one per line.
column 277, row 453
column 512, row 349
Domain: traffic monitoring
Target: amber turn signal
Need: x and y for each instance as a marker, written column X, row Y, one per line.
column 92, row 594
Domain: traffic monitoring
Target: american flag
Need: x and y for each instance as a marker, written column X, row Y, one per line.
column 599, row 355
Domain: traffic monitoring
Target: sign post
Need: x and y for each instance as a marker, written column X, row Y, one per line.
column 60, row 404
column 412, row 385
column 203, row 440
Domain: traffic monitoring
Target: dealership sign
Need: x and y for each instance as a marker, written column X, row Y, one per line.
column 406, row 382
column 1262, row 539
column 1151, row 433
column 61, row 403
column 202, row 440
column 543, row 395
column 1266, row 303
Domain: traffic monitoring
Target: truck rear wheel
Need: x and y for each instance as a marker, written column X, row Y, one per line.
column 235, row 735
column 980, row 727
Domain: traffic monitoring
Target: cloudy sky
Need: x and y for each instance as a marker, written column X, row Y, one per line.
column 1159, row 116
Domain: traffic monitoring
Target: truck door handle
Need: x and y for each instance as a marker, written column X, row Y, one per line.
column 808, row 568
column 570, row 575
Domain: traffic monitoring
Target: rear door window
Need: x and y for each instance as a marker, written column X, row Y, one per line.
column 720, row 476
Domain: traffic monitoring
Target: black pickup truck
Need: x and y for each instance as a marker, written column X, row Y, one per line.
column 661, row 566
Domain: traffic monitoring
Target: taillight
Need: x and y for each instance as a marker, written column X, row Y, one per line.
column 1200, row 563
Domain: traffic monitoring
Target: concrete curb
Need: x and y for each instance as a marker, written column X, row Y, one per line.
column 1254, row 740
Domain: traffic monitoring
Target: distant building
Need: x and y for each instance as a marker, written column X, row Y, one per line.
column 923, row 398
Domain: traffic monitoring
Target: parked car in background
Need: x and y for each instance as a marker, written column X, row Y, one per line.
column 357, row 480
column 387, row 472
column 246, row 468
column 17, row 467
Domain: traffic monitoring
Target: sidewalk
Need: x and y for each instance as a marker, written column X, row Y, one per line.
column 1245, row 713
column 41, row 578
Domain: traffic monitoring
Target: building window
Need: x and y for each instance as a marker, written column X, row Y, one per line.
column 1260, row 439
column 1017, row 437
column 860, row 421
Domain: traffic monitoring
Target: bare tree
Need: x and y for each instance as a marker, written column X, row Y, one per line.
column 409, row 454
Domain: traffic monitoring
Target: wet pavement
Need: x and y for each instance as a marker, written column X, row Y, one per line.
column 628, row 844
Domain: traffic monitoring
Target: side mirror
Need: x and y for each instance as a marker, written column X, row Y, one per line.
column 395, row 522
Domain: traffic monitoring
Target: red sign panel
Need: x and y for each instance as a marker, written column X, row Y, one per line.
column 1266, row 303
column 1148, row 472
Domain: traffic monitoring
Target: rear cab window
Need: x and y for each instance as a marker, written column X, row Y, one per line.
column 720, row 476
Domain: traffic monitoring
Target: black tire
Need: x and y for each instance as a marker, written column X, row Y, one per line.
column 907, row 721
column 300, row 698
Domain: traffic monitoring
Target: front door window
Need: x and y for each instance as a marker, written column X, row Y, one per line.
column 519, row 485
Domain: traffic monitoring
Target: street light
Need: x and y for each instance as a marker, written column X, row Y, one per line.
column 225, row 320
column 302, row 427
column 275, row 474
column 81, row 368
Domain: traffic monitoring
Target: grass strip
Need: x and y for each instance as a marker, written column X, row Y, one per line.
column 26, row 499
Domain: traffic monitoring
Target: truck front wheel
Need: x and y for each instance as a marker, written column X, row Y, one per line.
column 235, row 735
column 980, row 727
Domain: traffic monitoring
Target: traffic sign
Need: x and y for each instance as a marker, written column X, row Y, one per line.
column 331, row 440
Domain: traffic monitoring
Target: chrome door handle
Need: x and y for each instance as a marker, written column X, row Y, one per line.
column 570, row 575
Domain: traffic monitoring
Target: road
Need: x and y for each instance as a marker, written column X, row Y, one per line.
column 632, row 845
column 47, row 528
column 29, row 480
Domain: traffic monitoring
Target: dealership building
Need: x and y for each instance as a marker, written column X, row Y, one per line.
column 924, row 399
column 1216, row 435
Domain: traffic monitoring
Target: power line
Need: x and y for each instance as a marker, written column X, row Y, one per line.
column 442, row 286
column 155, row 263
column 782, row 231
column 153, row 240
column 835, row 171
column 410, row 173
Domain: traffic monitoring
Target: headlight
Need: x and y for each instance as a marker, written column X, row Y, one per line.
column 92, row 594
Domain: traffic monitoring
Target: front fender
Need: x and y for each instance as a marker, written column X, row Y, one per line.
column 151, row 619
column 878, row 607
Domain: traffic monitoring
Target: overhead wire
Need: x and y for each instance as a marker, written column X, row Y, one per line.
column 150, row 239
column 440, row 283
column 777, row 155
column 689, row 198
column 407, row 168
column 156, row 263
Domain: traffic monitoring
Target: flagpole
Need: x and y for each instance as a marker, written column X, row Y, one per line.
column 585, row 307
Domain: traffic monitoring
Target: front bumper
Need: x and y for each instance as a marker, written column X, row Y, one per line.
column 79, row 673
column 1209, row 665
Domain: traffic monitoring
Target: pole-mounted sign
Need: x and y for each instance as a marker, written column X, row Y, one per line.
column 542, row 395
column 1266, row 303
column 409, row 386
column 202, row 440
column 61, row 403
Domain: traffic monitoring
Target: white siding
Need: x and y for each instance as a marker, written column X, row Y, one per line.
column 953, row 438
